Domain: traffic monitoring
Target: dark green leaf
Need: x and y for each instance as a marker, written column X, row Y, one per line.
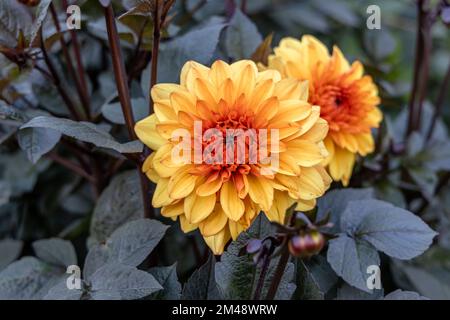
column 113, row 111
column 237, row 275
column 55, row 251
column 395, row 231
column 133, row 242
column 347, row 292
column 202, row 284
column 404, row 295
column 119, row 203
column 14, row 19
column 61, row 292
column 350, row 260
column 335, row 201
column 37, row 141
column 121, row 282
column 379, row 43
column 427, row 283
column 9, row 251
column 129, row 245
column 241, row 37
column 199, row 45
column 41, row 13
column 337, row 10
column 314, row 278
column 291, row 16
column 168, row 279
column 84, row 131
column 28, row 279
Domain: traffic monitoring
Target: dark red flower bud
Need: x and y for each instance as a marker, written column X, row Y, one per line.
column 297, row 246
column 30, row 3
column 306, row 244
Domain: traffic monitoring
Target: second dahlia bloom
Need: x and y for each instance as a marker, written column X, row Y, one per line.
column 223, row 196
column 348, row 99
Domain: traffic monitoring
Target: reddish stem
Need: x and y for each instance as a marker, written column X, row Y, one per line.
column 70, row 67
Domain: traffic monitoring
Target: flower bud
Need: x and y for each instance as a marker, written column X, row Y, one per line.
column 30, row 3
column 306, row 244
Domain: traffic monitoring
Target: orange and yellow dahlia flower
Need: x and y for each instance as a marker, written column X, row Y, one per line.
column 348, row 99
column 222, row 199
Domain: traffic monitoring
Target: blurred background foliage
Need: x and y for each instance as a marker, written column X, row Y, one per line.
column 40, row 198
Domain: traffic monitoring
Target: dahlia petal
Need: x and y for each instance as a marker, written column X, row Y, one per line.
column 289, row 133
column 197, row 208
column 307, row 153
column 219, row 72
column 191, row 71
column 235, row 229
column 311, row 184
column 288, row 54
column 147, row 168
column 290, row 111
column 309, row 122
column 290, row 42
column 277, row 212
column 366, row 143
column 167, row 128
column 318, row 131
column 342, row 64
column 209, row 188
column 232, row 205
column 217, row 242
column 239, row 67
column 174, row 210
column 146, row 132
column 161, row 195
column 181, row 183
column 204, row 90
column 289, row 89
column 317, row 52
column 162, row 162
column 305, row 205
column 186, row 226
column 273, row 75
column 329, row 145
column 246, row 82
column 288, row 165
column 162, row 91
column 164, row 110
column 228, row 93
column 214, row 223
column 261, row 92
column 261, row 191
column 374, row 117
column 341, row 165
column 182, row 100
column 287, row 183
column 267, row 110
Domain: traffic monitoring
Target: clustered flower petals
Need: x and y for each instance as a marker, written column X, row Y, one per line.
column 222, row 199
column 348, row 99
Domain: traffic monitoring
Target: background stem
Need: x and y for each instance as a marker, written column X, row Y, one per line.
column 279, row 271
column 124, row 98
column 67, row 57
column 262, row 278
column 57, row 82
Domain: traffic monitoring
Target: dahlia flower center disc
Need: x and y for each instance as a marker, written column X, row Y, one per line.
column 239, row 143
column 339, row 107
